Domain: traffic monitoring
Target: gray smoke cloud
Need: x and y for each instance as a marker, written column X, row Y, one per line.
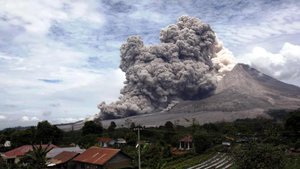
column 186, row 65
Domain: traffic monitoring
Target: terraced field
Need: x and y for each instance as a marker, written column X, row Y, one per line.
column 219, row 161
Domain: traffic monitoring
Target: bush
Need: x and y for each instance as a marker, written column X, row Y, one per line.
column 201, row 142
column 263, row 156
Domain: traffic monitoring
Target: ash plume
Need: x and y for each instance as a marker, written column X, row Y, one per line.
column 186, row 65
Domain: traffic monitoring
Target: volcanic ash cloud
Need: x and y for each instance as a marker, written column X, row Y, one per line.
column 186, row 65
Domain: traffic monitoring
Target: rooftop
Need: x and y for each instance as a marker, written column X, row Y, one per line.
column 188, row 138
column 61, row 158
column 104, row 139
column 56, row 151
column 21, row 151
column 97, row 155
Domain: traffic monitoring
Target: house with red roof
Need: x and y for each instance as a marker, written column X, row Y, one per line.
column 62, row 160
column 98, row 158
column 14, row 155
column 105, row 141
column 186, row 143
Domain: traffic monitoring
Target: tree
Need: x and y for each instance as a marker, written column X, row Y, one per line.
column 132, row 125
column 46, row 133
column 152, row 156
column 36, row 158
column 23, row 137
column 112, row 126
column 90, row 127
column 264, row 156
column 169, row 125
column 292, row 123
column 131, row 138
column 88, row 140
column 201, row 142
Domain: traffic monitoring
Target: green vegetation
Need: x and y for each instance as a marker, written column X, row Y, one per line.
column 36, row 158
column 90, row 127
column 255, row 143
column 253, row 155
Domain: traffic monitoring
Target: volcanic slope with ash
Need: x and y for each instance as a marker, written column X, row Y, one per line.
column 243, row 92
column 245, row 88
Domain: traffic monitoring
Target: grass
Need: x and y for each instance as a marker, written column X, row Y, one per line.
column 293, row 163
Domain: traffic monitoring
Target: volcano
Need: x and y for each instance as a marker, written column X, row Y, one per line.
column 244, row 92
column 245, row 88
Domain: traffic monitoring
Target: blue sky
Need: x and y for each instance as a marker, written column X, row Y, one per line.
column 59, row 58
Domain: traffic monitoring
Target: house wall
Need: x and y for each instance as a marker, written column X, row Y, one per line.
column 79, row 165
column 119, row 161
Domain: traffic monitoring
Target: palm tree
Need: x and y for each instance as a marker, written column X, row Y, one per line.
column 37, row 157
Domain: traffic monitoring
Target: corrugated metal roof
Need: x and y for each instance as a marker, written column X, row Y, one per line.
column 20, row 151
column 58, row 150
column 61, row 158
column 97, row 155
column 121, row 141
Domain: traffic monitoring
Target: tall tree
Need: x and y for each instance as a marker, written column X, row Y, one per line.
column 112, row 126
column 46, row 133
column 90, row 127
column 201, row 141
column 169, row 125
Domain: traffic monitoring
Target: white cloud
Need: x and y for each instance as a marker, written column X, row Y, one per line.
column 34, row 118
column 37, row 16
column 149, row 16
column 2, row 117
column 26, row 118
column 284, row 65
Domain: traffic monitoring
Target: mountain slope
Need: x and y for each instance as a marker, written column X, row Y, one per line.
column 244, row 92
column 245, row 88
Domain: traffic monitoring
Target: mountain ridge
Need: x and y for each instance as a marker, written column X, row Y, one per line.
column 245, row 88
column 244, row 92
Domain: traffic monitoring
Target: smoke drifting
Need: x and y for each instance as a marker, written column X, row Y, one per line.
column 186, row 65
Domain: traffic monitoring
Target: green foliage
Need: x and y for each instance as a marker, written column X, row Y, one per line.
column 90, row 127
column 263, row 156
column 297, row 144
column 169, row 125
column 292, row 123
column 131, row 138
column 292, row 162
column 71, row 137
column 36, row 158
column 201, row 142
column 23, row 137
column 132, row 125
column 46, row 133
column 152, row 156
column 112, row 126
column 87, row 141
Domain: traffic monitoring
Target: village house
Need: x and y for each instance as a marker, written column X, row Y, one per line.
column 14, row 155
column 62, row 160
column 186, row 143
column 105, row 141
column 100, row 158
column 58, row 150
column 120, row 142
